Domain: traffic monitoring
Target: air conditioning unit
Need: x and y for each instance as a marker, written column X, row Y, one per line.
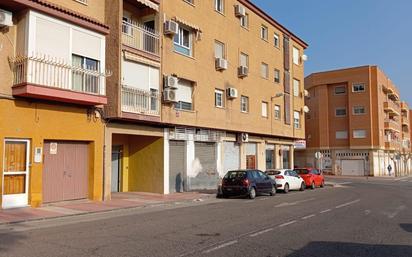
column 221, row 64
column 171, row 82
column 171, row 28
column 169, row 95
column 242, row 71
column 242, row 137
column 240, row 11
column 305, row 109
column 6, row 18
column 231, row 92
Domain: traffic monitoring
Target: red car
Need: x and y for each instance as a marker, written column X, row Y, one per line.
column 313, row 177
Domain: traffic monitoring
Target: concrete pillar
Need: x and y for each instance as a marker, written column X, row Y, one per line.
column 261, row 155
column 107, row 175
column 166, row 166
column 242, row 156
column 291, row 157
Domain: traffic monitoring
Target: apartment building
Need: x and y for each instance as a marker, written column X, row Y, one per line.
column 357, row 122
column 52, row 82
column 198, row 88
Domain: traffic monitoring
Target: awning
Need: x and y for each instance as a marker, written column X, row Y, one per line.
column 149, row 4
column 182, row 21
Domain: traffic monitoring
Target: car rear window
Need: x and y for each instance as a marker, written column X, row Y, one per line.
column 273, row 172
column 236, row 174
column 302, row 171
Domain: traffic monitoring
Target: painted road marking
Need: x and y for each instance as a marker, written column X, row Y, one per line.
column 287, row 223
column 367, row 212
column 221, row 246
column 392, row 215
column 308, row 217
column 324, row 211
column 293, row 203
column 347, row 204
column 261, row 232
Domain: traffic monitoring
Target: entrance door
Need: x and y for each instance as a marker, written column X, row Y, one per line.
column 251, row 151
column 177, row 168
column 116, row 157
column 16, row 173
column 65, row 171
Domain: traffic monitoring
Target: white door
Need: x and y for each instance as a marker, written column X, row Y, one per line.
column 16, row 173
column 353, row 167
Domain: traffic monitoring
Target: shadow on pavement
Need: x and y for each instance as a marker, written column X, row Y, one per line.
column 9, row 240
column 407, row 228
column 338, row 249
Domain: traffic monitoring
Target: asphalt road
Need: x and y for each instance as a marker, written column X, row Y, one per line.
column 358, row 217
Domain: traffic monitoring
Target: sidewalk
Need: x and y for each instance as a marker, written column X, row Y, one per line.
column 119, row 201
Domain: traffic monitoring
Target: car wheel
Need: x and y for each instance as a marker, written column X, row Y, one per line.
column 302, row 186
column 273, row 192
column 312, row 186
column 252, row 193
column 322, row 184
column 286, row 188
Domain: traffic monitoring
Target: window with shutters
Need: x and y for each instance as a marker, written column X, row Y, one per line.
column 340, row 112
column 359, row 110
column 219, row 98
column 184, row 95
column 359, row 133
column 340, row 90
column 264, row 33
column 220, row 50
column 296, row 119
column 244, row 104
column 220, row 6
column 343, row 134
column 277, row 76
column 183, row 41
column 244, row 21
column 264, row 70
column 264, row 109
column 244, row 60
column 296, row 56
column 296, row 87
column 276, row 40
column 358, row 87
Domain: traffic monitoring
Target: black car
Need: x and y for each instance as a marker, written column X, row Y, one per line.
column 246, row 182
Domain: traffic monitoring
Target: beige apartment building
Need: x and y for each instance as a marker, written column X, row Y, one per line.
column 198, row 88
column 358, row 122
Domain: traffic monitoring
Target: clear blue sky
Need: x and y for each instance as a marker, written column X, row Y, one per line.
column 345, row 33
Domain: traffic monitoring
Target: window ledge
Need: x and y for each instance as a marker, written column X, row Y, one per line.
column 221, row 13
column 185, row 55
column 182, row 110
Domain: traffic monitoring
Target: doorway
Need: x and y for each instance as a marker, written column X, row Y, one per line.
column 116, row 167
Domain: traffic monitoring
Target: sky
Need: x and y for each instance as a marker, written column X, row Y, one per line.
column 348, row 33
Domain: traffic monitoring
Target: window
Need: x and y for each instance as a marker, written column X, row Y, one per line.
column 154, row 99
column 358, row 87
column 82, row 1
column 296, row 87
column 359, row 110
column 244, row 21
column 264, row 32
column 342, row 134
column 183, row 41
column 340, row 90
column 219, row 6
column 190, row 1
column 277, row 76
column 277, row 112
column 244, row 60
column 296, row 119
column 359, row 133
column 265, row 109
column 219, row 99
column 85, row 82
column 296, row 56
column 264, row 70
column 184, row 95
column 126, row 26
column 244, row 104
column 220, row 50
column 340, row 112
column 276, row 40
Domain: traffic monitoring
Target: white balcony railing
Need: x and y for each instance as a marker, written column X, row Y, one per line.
column 140, row 37
column 140, row 101
column 47, row 71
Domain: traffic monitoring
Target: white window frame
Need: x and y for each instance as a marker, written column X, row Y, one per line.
column 217, row 42
column 264, row 70
column 358, row 107
column 276, row 76
column 341, row 108
column 265, row 109
column 354, row 85
column 296, row 87
column 357, row 136
column 276, row 40
column 247, row 59
column 244, row 104
column 296, row 55
column 277, row 112
column 220, row 6
column 244, row 21
column 180, row 35
column 221, row 93
column 296, row 119
column 341, row 134
column 264, row 31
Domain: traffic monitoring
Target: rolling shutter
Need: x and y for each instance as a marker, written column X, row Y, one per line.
column 286, row 51
column 287, row 109
column 177, row 172
column 231, row 159
column 287, row 82
column 207, row 177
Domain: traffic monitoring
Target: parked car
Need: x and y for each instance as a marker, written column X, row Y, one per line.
column 287, row 180
column 313, row 177
column 247, row 183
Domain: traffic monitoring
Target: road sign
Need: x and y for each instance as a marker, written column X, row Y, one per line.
column 318, row 155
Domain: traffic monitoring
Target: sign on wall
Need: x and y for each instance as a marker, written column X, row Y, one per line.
column 53, row 148
column 300, row 144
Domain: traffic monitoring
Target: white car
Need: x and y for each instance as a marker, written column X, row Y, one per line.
column 287, row 180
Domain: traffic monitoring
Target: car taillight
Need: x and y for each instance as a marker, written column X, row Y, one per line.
column 279, row 177
column 246, row 182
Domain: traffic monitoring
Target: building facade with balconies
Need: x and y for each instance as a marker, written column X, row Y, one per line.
column 52, row 84
column 357, row 122
column 231, row 84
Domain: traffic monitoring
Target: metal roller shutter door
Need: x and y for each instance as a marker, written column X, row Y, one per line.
column 208, row 177
column 231, row 156
column 353, row 167
column 177, row 172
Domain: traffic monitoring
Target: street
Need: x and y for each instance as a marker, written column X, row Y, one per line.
column 355, row 217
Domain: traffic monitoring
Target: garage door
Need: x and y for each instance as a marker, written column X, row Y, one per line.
column 231, row 156
column 207, row 176
column 353, row 167
column 177, row 172
column 65, row 171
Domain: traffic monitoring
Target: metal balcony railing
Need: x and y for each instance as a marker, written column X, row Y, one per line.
column 140, row 101
column 140, row 37
column 50, row 72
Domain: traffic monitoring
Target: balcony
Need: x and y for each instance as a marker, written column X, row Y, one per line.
column 141, row 102
column 139, row 37
column 392, row 125
column 47, row 78
column 404, row 107
column 393, row 144
column 391, row 107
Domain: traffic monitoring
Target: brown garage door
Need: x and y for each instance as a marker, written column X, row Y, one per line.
column 65, row 171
